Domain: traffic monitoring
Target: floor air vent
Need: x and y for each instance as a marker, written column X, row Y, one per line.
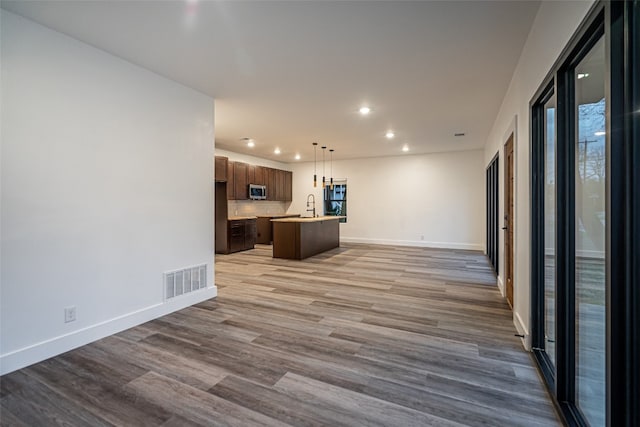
column 184, row 281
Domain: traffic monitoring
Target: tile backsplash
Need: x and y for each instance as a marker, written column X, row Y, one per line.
column 256, row 207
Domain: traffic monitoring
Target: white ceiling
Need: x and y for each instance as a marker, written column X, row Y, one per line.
column 290, row 73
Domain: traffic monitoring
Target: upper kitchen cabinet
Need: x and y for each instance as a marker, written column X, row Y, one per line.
column 251, row 174
column 260, row 176
column 239, row 175
column 288, row 186
column 280, row 185
column 240, row 181
column 231, row 189
column 221, row 165
column 283, row 185
column 272, row 192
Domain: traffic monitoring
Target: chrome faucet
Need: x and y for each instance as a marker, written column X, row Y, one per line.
column 313, row 200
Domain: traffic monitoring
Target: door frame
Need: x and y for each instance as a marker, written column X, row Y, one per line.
column 537, row 171
column 509, row 234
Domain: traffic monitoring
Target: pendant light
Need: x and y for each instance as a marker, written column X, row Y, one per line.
column 331, row 176
column 315, row 176
column 324, row 182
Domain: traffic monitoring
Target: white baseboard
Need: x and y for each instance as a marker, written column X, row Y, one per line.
column 522, row 330
column 26, row 356
column 417, row 243
column 501, row 286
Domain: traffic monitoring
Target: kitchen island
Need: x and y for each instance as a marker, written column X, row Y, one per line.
column 265, row 227
column 300, row 238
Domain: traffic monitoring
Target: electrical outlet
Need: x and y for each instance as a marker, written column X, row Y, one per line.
column 421, row 237
column 69, row 314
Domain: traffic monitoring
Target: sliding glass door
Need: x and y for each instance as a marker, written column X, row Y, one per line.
column 590, row 233
column 585, row 213
column 549, row 110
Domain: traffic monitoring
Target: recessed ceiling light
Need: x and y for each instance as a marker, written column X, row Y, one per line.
column 600, row 133
column 192, row 6
column 276, row 151
column 364, row 110
column 251, row 144
column 390, row 134
column 405, row 148
column 297, row 156
column 459, row 134
column 582, row 75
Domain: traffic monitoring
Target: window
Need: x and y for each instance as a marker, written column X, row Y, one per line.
column 335, row 200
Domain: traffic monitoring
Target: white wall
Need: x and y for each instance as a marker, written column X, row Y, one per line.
column 433, row 200
column 106, row 184
column 554, row 25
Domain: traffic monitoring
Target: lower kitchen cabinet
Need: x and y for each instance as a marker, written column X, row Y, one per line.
column 241, row 234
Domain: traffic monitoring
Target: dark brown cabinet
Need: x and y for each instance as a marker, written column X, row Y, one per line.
column 241, row 234
column 251, row 174
column 239, row 175
column 279, row 185
column 220, row 168
column 250, row 233
column 288, row 186
column 236, row 236
column 264, row 225
column 231, row 189
column 271, row 184
column 300, row 239
column 221, row 215
column 260, row 176
column 240, row 181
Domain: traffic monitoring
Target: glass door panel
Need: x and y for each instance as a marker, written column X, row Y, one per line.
column 550, row 230
column 590, row 222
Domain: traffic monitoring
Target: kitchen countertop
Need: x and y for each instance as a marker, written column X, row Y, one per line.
column 240, row 218
column 308, row 219
column 278, row 215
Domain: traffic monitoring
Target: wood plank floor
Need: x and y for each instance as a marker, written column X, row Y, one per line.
column 360, row 335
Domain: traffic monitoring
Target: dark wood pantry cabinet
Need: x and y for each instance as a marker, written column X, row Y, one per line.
column 220, row 168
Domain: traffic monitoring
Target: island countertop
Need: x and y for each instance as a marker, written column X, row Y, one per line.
column 273, row 216
column 308, row 219
column 241, row 218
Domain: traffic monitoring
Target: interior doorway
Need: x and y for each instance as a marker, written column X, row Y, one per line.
column 509, row 197
column 493, row 215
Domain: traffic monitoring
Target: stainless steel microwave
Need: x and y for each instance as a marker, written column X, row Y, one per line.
column 257, row 192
